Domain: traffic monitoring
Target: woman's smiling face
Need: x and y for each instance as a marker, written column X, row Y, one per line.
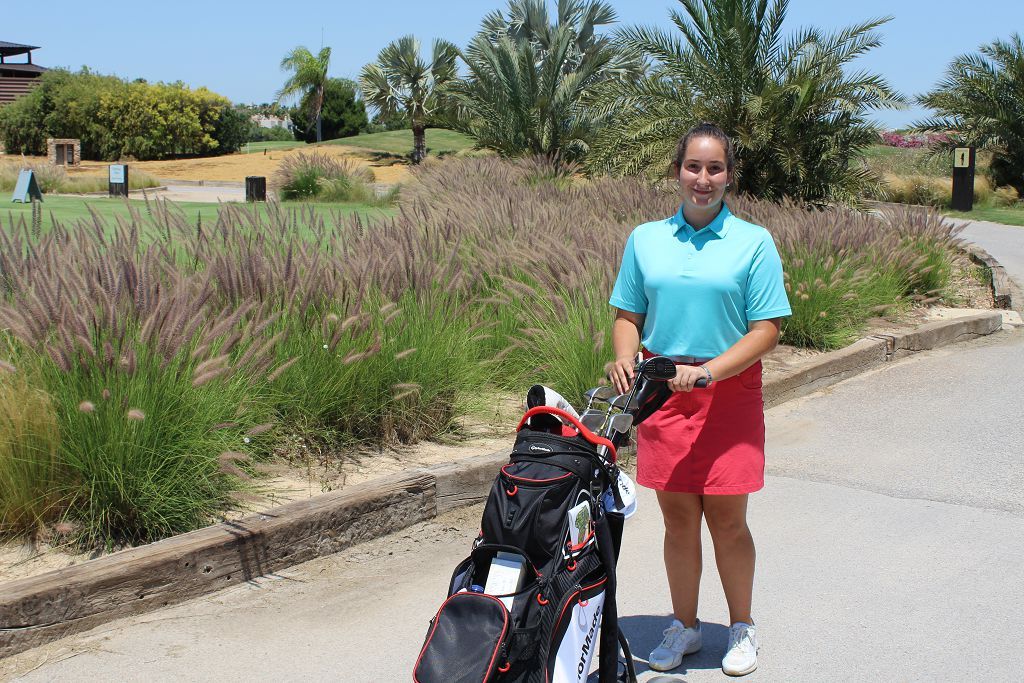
column 704, row 173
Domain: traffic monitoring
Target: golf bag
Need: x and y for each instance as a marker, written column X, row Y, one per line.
column 546, row 553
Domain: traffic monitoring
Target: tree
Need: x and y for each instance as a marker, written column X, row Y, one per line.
column 342, row 112
column 795, row 110
column 309, row 74
column 529, row 78
column 528, row 21
column 231, row 130
column 400, row 81
column 981, row 100
column 115, row 118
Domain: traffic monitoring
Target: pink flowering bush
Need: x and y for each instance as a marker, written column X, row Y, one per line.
column 909, row 140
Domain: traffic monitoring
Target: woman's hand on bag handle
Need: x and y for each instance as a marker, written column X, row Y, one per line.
column 621, row 373
column 687, row 377
column 625, row 341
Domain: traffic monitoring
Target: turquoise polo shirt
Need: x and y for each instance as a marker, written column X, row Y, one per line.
column 699, row 289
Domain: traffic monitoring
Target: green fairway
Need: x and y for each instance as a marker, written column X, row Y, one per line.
column 1009, row 215
column 439, row 140
column 67, row 210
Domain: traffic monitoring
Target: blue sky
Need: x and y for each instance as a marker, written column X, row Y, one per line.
column 235, row 48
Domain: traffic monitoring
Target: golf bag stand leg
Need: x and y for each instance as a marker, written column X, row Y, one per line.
column 611, row 636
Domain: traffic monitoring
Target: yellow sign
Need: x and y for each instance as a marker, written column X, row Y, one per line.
column 961, row 157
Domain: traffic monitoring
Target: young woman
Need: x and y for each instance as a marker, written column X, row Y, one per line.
column 706, row 289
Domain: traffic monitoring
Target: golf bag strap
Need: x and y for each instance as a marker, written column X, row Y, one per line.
column 608, row 666
column 628, row 657
column 567, row 418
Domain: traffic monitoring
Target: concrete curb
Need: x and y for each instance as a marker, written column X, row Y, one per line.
column 104, row 194
column 39, row 609
column 1005, row 292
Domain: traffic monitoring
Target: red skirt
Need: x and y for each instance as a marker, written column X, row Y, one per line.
column 706, row 441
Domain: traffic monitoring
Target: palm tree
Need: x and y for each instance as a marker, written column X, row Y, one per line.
column 528, row 21
column 981, row 99
column 793, row 107
column 528, row 78
column 400, row 81
column 309, row 74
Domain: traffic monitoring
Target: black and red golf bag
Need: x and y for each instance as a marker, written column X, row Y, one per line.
column 563, row 607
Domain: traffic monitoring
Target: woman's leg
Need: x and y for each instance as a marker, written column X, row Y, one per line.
column 682, row 515
column 734, row 551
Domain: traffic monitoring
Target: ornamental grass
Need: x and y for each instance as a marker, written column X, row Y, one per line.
column 172, row 357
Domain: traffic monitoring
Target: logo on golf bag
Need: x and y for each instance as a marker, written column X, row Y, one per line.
column 540, row 448
column 581, row 669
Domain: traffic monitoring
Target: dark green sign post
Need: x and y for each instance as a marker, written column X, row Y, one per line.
column 963, row 179
column 117, row 181
column 255, row 188
column 26, row 189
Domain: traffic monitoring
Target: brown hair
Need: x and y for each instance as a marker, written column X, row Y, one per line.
column 703, row 130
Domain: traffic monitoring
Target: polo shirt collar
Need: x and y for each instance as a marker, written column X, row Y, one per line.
column 719, row 226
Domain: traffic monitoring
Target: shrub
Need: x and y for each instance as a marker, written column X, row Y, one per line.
column 231, row 130
column 314, row 175
column 910, row 141
column 274, row 134
column 938, row 192
column 116, row 119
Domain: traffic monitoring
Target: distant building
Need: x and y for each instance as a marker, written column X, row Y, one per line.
column 267, row 121
column 17, row 78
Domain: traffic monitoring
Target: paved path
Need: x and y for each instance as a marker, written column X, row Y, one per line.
column 1004, row 242
column 202, row 193
column 890, row 536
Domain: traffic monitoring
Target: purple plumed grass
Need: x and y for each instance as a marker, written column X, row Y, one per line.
column 281, row 369
column 260, row 429
column 226, row 463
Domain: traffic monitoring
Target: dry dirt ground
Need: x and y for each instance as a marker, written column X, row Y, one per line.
column 235, row 167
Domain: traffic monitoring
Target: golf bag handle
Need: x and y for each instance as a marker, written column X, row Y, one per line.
column 566, row 417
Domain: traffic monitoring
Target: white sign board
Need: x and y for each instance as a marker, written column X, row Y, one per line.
column 117, row 173
column 961, row 157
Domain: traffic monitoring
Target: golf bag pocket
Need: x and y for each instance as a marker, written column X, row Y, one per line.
column 467, row 641
column 527, row 508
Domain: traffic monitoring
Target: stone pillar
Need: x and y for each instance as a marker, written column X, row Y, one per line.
column 73, row 150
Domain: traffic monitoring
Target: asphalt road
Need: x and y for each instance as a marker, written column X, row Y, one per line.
column 890, row 535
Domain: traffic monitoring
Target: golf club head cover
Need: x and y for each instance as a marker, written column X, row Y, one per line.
column 540, row 395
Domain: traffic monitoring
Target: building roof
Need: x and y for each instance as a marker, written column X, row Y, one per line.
column 23, row 69
column 7, row 49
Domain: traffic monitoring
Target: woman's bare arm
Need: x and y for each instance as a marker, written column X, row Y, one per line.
column 626, row 331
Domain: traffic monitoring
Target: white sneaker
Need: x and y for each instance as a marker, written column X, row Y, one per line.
column 678, row 641
column 741, row 656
